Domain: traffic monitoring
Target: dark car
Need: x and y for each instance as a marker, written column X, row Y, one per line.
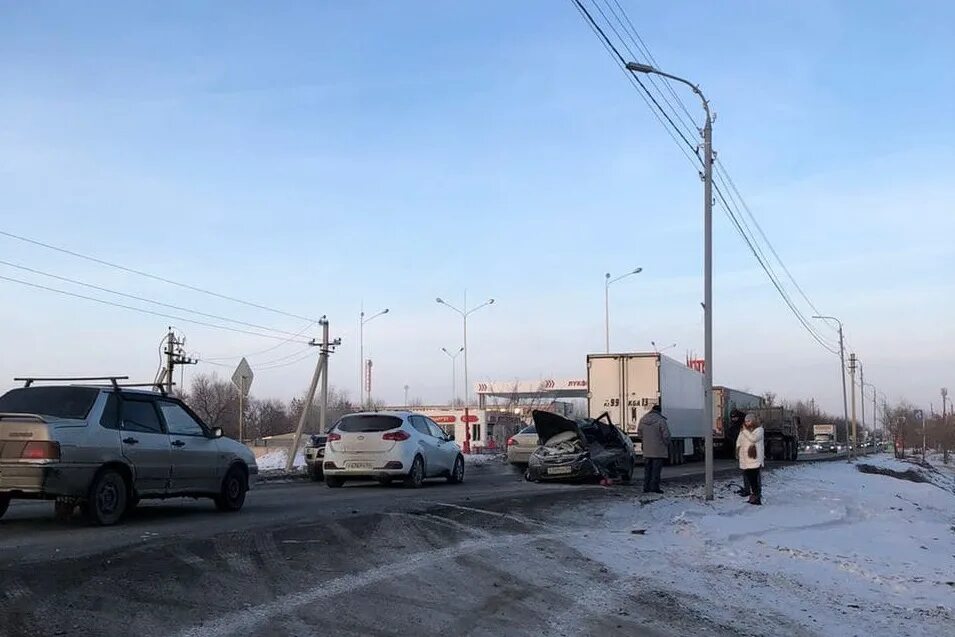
column 581, row 449
column 315, row 456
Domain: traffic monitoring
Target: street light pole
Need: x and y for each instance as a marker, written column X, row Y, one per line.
column 466, row 447
column 635, row 67
column 842, row 373
column 454, row 375
column 607, row 282
column 361, row 354
column 852, row 378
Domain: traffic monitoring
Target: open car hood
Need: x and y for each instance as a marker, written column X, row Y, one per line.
column 549, row 424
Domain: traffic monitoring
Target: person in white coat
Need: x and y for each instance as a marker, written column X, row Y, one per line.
column 751, row 453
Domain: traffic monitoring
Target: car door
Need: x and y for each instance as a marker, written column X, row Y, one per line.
column 448, row 450
column 145, row 444
column 196, row 466
column 433, row 461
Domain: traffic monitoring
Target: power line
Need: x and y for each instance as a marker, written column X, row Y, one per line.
column 261, row 351
column 151, row 276
column 144, row 299
column 139, row 309
column 750, row 240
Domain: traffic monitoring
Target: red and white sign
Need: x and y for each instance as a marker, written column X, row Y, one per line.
column 568, row 387
column 454, row 420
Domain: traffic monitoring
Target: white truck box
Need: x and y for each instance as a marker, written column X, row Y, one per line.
column 628, row 385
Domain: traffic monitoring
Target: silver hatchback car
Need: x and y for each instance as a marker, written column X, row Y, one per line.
column 104, row 448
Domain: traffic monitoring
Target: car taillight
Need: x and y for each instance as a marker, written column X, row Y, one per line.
column 397, row 436
column 511, row 442
column 333, row 437
column 44, row 450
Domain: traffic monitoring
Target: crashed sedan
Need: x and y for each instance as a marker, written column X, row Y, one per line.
column 579, row 449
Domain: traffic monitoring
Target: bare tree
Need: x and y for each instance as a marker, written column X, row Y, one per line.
column 216, row 401
column 770, row 398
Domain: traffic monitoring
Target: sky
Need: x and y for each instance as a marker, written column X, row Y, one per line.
column 321, row 158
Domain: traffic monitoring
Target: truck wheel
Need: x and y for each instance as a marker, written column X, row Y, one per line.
column 106, row 502
column 4, row 503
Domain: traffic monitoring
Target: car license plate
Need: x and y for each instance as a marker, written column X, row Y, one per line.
column 556, row 471
column 358, row 465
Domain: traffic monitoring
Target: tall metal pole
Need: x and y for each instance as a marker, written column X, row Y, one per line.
column 852, row 378
column 708, row 296
column 467, row 393
column 170, row 359
column 361, row 360
column 454, row 380
column 861, row 395
column 607, row 311
column 323, row 357
column 842, row 375
column 242, row 409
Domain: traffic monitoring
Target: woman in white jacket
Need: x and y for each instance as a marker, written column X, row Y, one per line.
column 750, row 452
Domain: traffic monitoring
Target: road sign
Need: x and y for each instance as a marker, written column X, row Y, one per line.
column 242, row 377
column 918, row 414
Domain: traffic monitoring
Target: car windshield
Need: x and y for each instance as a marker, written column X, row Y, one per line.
column 367, row 422
column 57, row 402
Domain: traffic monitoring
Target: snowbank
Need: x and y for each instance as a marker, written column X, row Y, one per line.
column 275, row 460
column 481, row 459
column 832, row 551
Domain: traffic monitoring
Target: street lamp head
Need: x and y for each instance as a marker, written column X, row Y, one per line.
column 636, row 67
column 490, row 301
column 607, row 276
column 439, row 300
column 637, row 271
column 384, row 311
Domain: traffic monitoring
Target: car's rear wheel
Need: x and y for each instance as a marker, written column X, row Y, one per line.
column 315, row 474
column 4, row 503
column 107, row 498
column 457, row 472
column 333, row 482
column 415, row 477
column 234, row 487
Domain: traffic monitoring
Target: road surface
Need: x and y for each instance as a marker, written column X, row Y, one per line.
column 479, row 558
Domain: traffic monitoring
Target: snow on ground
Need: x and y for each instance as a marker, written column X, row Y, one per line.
column 480, row 459
column 832, row 551
column 275, row 459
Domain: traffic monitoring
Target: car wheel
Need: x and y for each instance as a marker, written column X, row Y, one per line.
column 234, row 487
column 4, row 503
column 457, row 472
column 107, row 500
column 333, row 482
column 415, row 477
column 315, row 474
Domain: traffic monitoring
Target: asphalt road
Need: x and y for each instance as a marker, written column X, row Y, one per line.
column 300, row 559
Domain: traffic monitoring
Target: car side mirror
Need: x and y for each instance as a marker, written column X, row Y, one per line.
column 217, row 432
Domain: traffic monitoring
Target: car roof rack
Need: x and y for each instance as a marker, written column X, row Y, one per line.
column 27, row 381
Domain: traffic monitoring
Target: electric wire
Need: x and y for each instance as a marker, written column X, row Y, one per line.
column 139, row 309
column 151, row 276
column 145, row 299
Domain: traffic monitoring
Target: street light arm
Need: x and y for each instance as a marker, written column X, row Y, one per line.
column 623, row 276
column 475, row 309
column 374, row 316
column 829, row 318
column 441, row 301
column 635, row 67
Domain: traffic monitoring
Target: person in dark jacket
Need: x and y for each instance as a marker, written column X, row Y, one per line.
column 655, row 436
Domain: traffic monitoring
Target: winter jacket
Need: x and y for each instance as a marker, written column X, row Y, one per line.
column 655, row 434
column 743, row 442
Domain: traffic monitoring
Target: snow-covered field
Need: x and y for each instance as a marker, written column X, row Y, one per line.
column 832, row 551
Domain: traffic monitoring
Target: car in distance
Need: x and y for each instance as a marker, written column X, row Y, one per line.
column 521, row 445
column 589, row 448
column 390, row 445
column 104, row 448
column 315, row 456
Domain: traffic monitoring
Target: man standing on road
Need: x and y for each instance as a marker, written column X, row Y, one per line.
column 655, row 435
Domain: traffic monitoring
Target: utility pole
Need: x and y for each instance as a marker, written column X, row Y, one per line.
column 861, row 396
column 842, row 373
column 852, row 376
column 321, row 372
column 406, row 395
column 361, row 355
column 174, row 356
column 944, row 427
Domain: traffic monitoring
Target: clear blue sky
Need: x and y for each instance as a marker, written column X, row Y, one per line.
column 310, row 156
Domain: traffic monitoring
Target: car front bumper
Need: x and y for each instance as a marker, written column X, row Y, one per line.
column 45, row 481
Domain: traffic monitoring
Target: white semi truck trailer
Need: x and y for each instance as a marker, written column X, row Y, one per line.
column 627, row 385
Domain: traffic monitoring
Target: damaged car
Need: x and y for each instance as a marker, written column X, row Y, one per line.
column 585, row 449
